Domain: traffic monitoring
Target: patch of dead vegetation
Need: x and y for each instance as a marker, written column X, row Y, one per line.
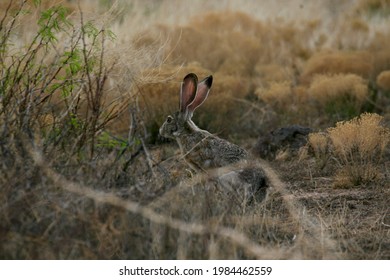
column 133, row 199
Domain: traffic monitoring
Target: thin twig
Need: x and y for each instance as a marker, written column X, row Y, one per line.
column 148, row 213
column 148, row 157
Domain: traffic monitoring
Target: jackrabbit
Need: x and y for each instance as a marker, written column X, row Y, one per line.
column 203, row 150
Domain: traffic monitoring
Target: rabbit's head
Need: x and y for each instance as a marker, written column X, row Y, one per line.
column 192, row 95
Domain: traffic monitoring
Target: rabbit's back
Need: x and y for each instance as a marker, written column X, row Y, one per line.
column 204, row 150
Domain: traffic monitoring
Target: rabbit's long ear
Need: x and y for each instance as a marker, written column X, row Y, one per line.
column 188, row 91
column 202, row 93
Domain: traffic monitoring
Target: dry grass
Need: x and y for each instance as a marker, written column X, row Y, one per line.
column 383, row 80
column 343, row 93
column 84, row 174
column 338, row 62
column 329, row 96
column 278, row 95
column 319, row 142
column 381, row 7
column 257, row 55
column 357, row 146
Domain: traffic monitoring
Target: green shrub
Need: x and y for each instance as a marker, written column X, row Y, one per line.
column 57, row 78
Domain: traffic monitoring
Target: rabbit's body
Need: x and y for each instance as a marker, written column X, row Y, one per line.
column 203, row 150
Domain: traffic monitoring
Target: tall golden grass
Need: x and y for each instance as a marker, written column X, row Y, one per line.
column 357, row 146
column 84, row 174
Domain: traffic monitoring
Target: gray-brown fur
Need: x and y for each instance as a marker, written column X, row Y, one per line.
column 257, row 181
column 252, row 182
column 201, row 149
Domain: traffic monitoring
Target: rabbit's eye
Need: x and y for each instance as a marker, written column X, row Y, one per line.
column 169, row 119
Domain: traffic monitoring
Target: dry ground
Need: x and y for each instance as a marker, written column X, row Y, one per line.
column 85, row 175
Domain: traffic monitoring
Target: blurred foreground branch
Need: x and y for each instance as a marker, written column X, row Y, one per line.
column 237, row 238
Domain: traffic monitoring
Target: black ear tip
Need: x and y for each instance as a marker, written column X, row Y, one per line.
column 191, row 76
column 209, row 81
